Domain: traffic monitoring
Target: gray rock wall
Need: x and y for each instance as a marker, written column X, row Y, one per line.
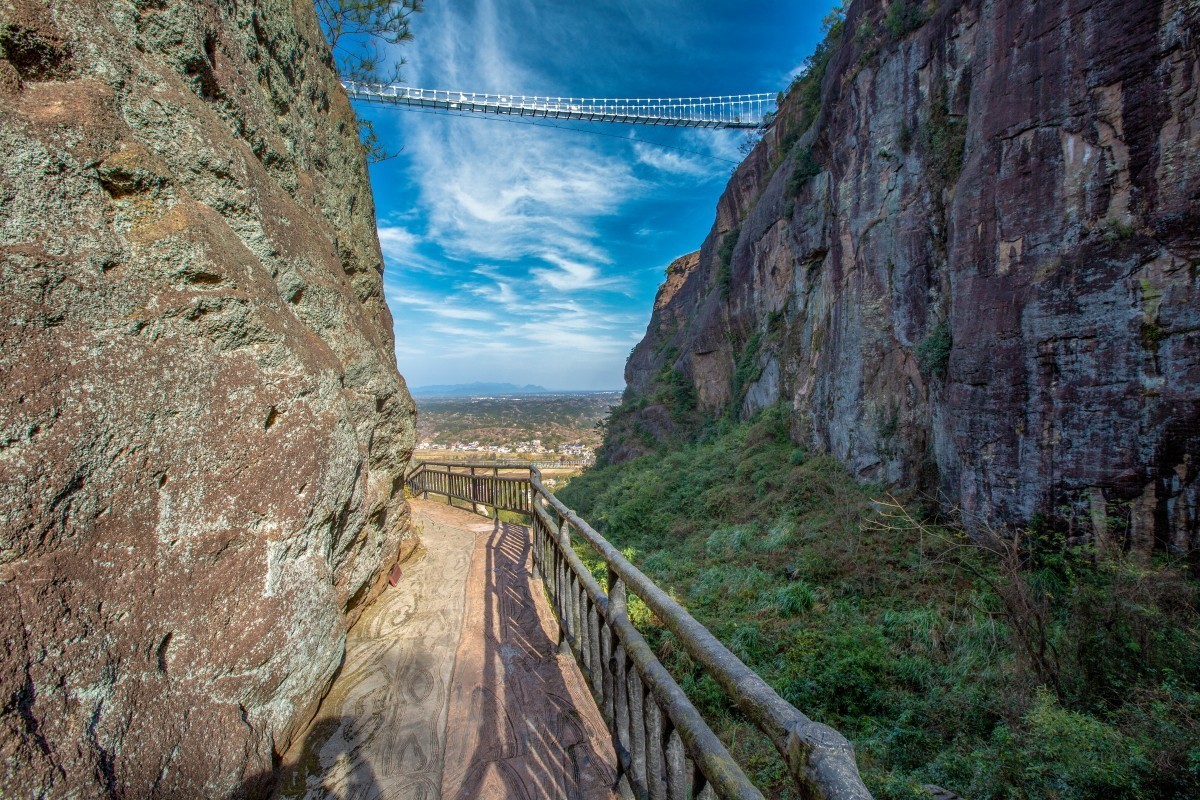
column 1016, row 186
column 202, row 429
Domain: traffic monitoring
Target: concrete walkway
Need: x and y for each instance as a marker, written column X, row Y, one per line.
column 452, row 685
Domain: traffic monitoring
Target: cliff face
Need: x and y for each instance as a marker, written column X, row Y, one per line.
column 204, row 431
column 978, row 271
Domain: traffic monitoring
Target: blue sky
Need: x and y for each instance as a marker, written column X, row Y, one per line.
column 532, row 254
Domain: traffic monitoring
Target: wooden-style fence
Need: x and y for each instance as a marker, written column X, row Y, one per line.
column 517, row 463
column 481, row 484
column 665, row 749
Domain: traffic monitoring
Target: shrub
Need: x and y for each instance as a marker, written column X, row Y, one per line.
column 806, row 167
column 903, row 17
column 933, row 353
column 1062, row 754
column 745, row 371
column 945, row 138
column 904, row 138
column 806, row 87
column 725, row 261
column 793, row 599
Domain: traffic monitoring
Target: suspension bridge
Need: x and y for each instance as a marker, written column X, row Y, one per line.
column 725, row 111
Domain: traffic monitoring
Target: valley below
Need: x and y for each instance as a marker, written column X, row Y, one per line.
column 542, row 427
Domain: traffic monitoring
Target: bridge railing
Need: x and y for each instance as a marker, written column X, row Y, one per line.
column 664, row 747
column 724, row 111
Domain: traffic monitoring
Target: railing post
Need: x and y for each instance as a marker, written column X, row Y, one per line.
column 618, row 608
column 474, row 494
column 495, row 491
column 564, row 544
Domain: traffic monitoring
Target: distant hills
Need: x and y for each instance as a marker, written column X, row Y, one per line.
column 477, row 388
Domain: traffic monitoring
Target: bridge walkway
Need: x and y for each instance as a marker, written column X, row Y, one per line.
column 453, row 685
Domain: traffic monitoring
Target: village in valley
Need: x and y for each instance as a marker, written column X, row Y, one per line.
column 548, row 427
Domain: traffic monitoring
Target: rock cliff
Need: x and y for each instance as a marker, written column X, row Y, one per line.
column 967, row 255
column 203, row 429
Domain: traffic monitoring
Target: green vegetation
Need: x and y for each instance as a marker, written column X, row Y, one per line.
column 806, row 86
column 674, row 390
column 933, row 353
column 357, row 29
column 357, row 32
column 725, row 261
column 945, row 138
column 806, row 167
column 745, row 372
column 1118, row 231
column 903, row 17
column 1024, row 669
column 1152, row 335
column 671, row 388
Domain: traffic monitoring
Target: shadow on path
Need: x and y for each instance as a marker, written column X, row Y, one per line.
column 521, row 724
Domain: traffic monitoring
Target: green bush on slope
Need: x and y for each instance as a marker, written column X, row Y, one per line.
column 898, row 635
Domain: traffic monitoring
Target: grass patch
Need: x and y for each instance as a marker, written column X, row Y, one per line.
column 904, row 636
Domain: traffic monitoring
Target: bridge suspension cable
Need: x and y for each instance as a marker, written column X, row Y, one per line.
column 726, row 111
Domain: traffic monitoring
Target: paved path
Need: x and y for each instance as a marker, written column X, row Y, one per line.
column 452, row 686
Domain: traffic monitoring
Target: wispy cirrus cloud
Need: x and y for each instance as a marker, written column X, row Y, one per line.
column 531, row 255
column 571, row 276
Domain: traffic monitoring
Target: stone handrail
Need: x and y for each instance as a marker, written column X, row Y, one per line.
column 664, row 747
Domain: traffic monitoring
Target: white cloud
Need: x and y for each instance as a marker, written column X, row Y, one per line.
column 676, row 163
column 447, row 306
column 501, row 293
column 571, row 276
column 400, row 251
column 510, row 194
column 492, row 189
column 521, row 219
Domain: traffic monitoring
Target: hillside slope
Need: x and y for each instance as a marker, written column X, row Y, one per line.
column 966, row 256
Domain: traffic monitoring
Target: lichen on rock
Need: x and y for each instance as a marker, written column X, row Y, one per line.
column 204, row 431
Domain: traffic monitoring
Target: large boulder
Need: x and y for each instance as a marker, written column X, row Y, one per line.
column 202, row 429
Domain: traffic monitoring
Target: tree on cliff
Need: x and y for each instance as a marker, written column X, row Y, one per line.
column 358, row 31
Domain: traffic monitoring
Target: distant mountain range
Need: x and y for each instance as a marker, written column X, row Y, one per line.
column 472, row 389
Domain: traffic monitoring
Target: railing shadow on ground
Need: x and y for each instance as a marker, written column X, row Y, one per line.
column 664, row 747
column 513, row 730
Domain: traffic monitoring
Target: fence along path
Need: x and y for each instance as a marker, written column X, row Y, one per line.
column 664, row 748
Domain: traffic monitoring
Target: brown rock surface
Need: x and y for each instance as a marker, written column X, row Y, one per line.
column 1011, row 184
column 203, row 426
column 381, row 729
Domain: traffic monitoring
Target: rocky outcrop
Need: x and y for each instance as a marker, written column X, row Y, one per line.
column 977, row 271
column 204, row 431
